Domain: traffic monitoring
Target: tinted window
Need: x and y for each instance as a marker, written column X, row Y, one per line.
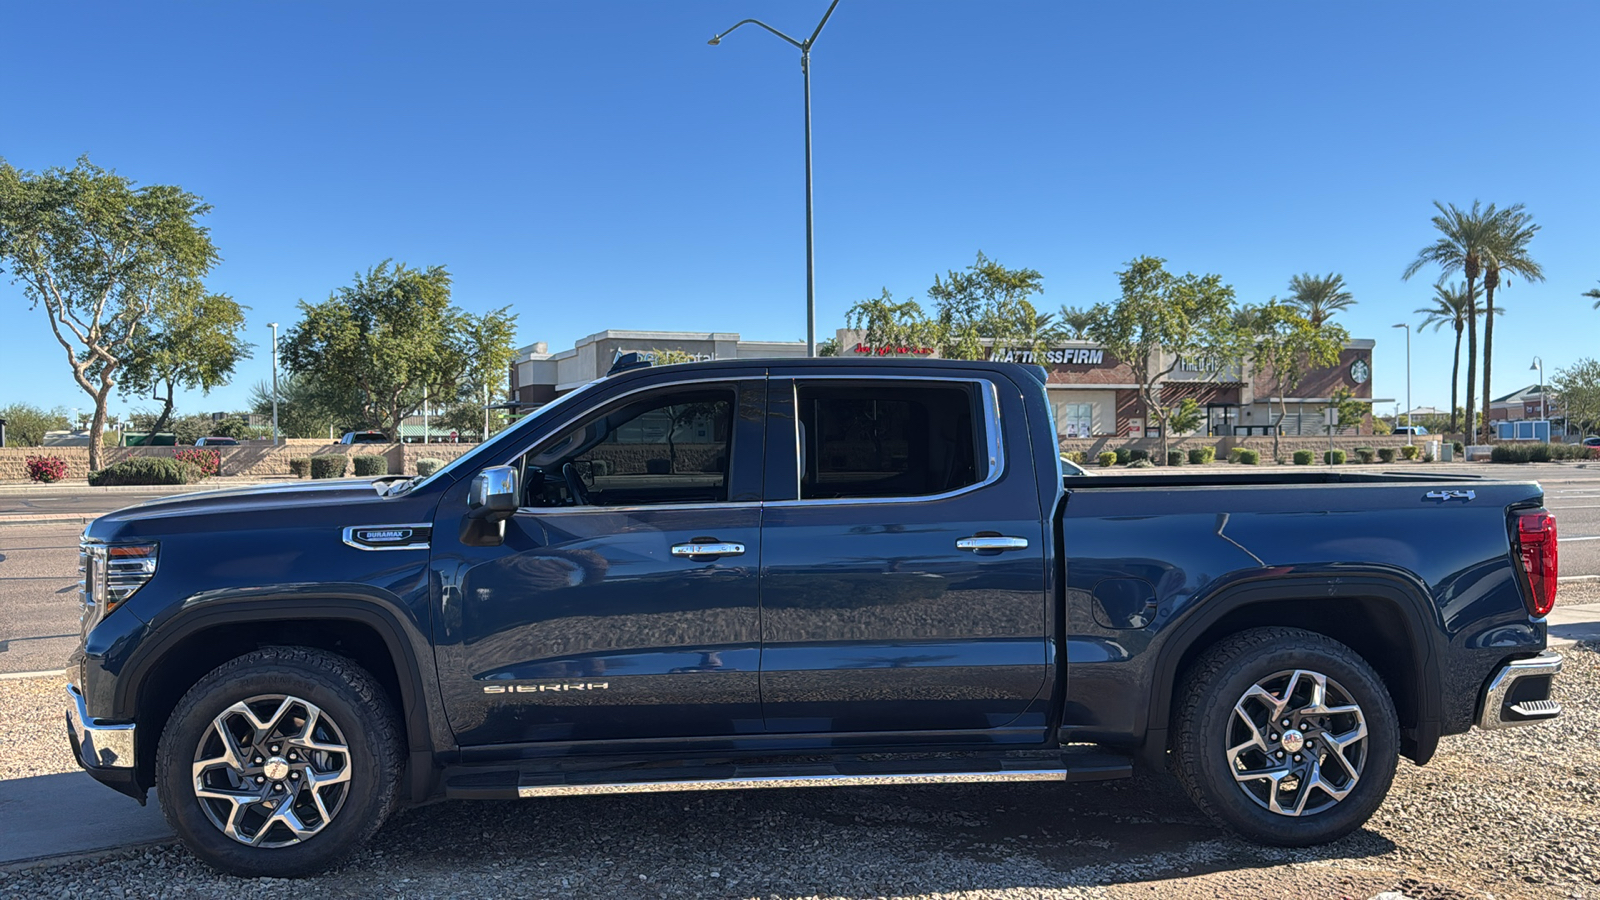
column 887, row 440
column 671, row 447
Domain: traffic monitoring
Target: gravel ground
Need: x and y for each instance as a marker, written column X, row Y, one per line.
column 1507, row 814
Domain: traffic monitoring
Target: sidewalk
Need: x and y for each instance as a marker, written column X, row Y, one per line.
column 71, row 814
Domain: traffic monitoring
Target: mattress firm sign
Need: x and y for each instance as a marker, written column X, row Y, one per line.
column 1056, row 356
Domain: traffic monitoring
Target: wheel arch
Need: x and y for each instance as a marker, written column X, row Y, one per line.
column 1384, row 619
column 192, row 644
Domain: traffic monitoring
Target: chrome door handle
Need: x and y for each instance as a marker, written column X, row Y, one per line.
column 708, row 548
column 992, row 543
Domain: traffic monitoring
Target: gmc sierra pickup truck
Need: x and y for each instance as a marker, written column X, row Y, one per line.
column 742, row 574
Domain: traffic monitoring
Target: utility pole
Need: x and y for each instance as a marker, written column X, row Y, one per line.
column 275, row 438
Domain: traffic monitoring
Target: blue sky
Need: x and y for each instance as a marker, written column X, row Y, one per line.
column 597, row 165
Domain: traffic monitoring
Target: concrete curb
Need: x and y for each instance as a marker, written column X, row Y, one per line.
column 78, row 487
column 1568, row 579
column 46, row 519
column 46, row 673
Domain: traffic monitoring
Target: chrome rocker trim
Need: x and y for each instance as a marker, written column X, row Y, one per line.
column 1494, row 713
column 99, row 746
column 780, row 781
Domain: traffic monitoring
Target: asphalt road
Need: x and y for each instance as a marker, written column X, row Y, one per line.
column 39, row 562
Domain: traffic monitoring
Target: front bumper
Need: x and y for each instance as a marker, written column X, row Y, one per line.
column 1519, row 692
column 105, row 750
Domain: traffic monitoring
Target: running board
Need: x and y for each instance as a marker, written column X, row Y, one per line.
column 504, row 783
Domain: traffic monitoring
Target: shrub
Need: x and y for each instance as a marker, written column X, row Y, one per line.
column 1077, row 456
column 1175, row 457
column 369, row 465
column 1235, row 453
column 46, row 468
column 1136, row 455
column 1107, row 460
column 1302, row 457
column 209, row 462
column 1409, row 451
column 1199, row 456
column 300, row 467
column 1386, row 454
column 1461, row 450
column 147, row 470
column 1333, row 457
column 1144, row 463
column 330, row 466
column 1366, row 454
column 1250, row 457
column 428, row 465
column 1122, row 456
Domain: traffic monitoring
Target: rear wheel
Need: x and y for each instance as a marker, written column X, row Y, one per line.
column 279, row 762
column 1286, row 736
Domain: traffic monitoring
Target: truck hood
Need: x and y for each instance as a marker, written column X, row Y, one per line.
column 232, row 507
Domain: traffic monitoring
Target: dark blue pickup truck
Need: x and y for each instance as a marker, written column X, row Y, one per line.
column 737, row 574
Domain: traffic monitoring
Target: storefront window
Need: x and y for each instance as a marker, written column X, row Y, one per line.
column 1075, row 420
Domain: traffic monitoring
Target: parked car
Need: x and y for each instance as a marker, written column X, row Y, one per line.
column 216, row 442
column 1592, row 440
column 364, row 437
column 744, row 573
column 1411, row 429
column 1068, row 467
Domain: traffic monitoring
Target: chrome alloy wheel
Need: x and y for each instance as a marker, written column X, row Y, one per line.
column 1297, row 742
column 272, row 770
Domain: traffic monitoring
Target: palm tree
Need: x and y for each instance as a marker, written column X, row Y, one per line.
column 1595, row 293
column 1514, row 229
column 1074, row 322
column 1319, row 296
column 1452, row 306
column 1464, row 240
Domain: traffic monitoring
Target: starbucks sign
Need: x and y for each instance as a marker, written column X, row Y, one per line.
column 1360, row 371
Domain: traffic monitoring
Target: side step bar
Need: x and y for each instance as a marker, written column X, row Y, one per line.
column 482, row 782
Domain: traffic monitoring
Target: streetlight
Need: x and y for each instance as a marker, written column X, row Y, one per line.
column 274, row 327
column 805, row 70
column 1544, row 406
column 1409, row 407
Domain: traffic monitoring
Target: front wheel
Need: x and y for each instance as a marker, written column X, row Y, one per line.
column 279, row 762
column 1286, row 736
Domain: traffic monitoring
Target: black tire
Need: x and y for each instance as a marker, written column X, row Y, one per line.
column 1205, row 727
column 347, row 700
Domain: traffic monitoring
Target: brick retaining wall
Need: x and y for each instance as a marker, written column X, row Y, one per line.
column 252, row 458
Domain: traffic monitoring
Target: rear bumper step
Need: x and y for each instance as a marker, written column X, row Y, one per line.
column 1519, row 692
column 479, row 783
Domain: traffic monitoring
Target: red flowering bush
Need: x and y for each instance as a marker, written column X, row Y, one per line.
column 46, row 468
column 209, row 462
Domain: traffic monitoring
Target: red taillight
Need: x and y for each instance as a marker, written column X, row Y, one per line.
column 1536, row 539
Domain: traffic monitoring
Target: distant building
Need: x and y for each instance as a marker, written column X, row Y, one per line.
column 539, row 376
column 1532, row 402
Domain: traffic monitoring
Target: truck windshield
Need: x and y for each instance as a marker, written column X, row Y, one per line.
column 495, row 445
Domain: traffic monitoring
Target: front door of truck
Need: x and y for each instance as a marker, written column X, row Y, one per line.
column 624, row 603
column 903, row 550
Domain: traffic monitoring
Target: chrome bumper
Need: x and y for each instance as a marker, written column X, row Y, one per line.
column 99, row 747
column 1519, row 693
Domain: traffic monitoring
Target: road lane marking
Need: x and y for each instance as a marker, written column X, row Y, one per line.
column 1592, row 537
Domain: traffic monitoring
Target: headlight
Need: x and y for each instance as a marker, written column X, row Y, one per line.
column 112, row 573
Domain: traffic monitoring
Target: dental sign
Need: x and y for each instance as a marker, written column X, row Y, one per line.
column 1060, row 356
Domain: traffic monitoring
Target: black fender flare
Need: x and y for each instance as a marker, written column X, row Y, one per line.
column 1405, row 595
column 410, row 650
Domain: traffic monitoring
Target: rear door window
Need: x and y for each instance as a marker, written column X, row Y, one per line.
column 888, row 439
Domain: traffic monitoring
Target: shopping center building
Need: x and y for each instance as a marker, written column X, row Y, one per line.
column 1093, row 393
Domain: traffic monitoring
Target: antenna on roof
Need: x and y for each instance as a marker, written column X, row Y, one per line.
column 626, row 361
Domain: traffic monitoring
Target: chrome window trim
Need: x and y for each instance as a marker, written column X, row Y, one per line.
column 989, row 403
column 350, row 531
column 732, row 382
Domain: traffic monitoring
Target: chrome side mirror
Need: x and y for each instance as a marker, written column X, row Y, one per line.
column 494, row 496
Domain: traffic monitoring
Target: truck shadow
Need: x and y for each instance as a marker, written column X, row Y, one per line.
column 844, row 841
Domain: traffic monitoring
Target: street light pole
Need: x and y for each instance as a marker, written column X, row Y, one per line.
column 1409, row 407
column 1544, row 405
column 274, row 327
column 805, row 72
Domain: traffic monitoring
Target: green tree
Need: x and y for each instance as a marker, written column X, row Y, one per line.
column 1186, row 416
column 1594, row 293
column 1284, row 346
column 1351, row 409
column 1318, row 297
column 1508, row 255
column 99, row 254
column 1452, row 306
column 1577, row 390
column 1074, row 322
column 374, row 350
column 26, row 423
column 988, row 302
column 301, row 411
column 886, row 322
column 192, row 340
column 1160, row 320
column 1466, row 238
